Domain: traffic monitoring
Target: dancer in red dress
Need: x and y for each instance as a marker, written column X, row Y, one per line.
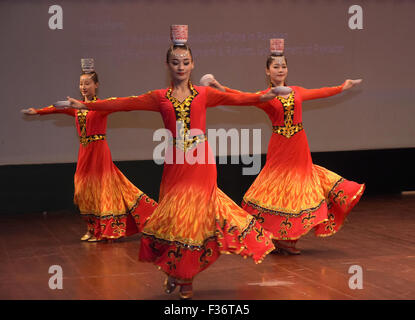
column 291, row 195
column 195, row 221
column 110, row 204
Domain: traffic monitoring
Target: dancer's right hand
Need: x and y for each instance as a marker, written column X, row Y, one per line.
column 76, row 104
column 348, row 84
column 30, row 111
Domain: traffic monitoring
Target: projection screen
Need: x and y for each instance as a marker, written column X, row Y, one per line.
column 326, row 43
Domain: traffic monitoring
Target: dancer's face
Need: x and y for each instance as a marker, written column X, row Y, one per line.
column 277, row 71
column 180, row 65
column 87, row 86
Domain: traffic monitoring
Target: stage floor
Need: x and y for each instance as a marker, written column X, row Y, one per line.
column 378, row 237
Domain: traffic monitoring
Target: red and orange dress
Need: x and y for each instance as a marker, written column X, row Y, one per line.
column 110, row 204
column 291, row 195
column 195, row 221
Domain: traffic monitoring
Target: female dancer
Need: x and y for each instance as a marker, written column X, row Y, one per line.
column 195, row 221
column 291, row 195
column 109, row 203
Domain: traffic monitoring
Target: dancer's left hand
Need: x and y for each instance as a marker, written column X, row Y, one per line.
column 215, row 84
column 348, row 84
column 269, row 95
column 76, row 104
column 30, row 111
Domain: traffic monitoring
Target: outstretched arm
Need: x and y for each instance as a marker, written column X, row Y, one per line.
column 148, row 101
column 229, row 90
column 213, row 83
column 309, row 94
column 48, row 110
column 216, row 98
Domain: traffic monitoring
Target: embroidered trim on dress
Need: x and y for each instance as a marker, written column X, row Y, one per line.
column 289, row 129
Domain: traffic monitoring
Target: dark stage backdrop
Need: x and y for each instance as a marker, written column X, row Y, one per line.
column 326, row 42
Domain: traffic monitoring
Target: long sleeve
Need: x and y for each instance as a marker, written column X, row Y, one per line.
column 309, row 94
column 148, row 101
column 229, row 90
column 261, row 105
column 51, row 109
column 216, row 98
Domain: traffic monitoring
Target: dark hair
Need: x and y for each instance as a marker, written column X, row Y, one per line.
column 178, row 46
column 94, row 76
column 270, row 59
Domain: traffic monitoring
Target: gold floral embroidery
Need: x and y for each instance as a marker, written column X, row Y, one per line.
column 340, row 197
column 204, row 257
column 118, row 226
column 337, row 196
column 177, row 256
column 82, row 125
column 308, row 220
column 182, row 110
column 284, row 227
column 189, row 142
column 330, row 224
column 154, row 249
column 91, row 224
column 258, row 217
column 96, row 137
column 286, row 224
column 283, row 233
column 289, row 129
column 259, row 234
column 84, row 139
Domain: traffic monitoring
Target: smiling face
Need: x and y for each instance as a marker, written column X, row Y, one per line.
column 87, row 86
column 277, row 70
column 180, row 64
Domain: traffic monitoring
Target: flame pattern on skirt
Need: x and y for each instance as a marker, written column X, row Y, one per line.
column 111, row 205
column 195, row 222
column 291, row 195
